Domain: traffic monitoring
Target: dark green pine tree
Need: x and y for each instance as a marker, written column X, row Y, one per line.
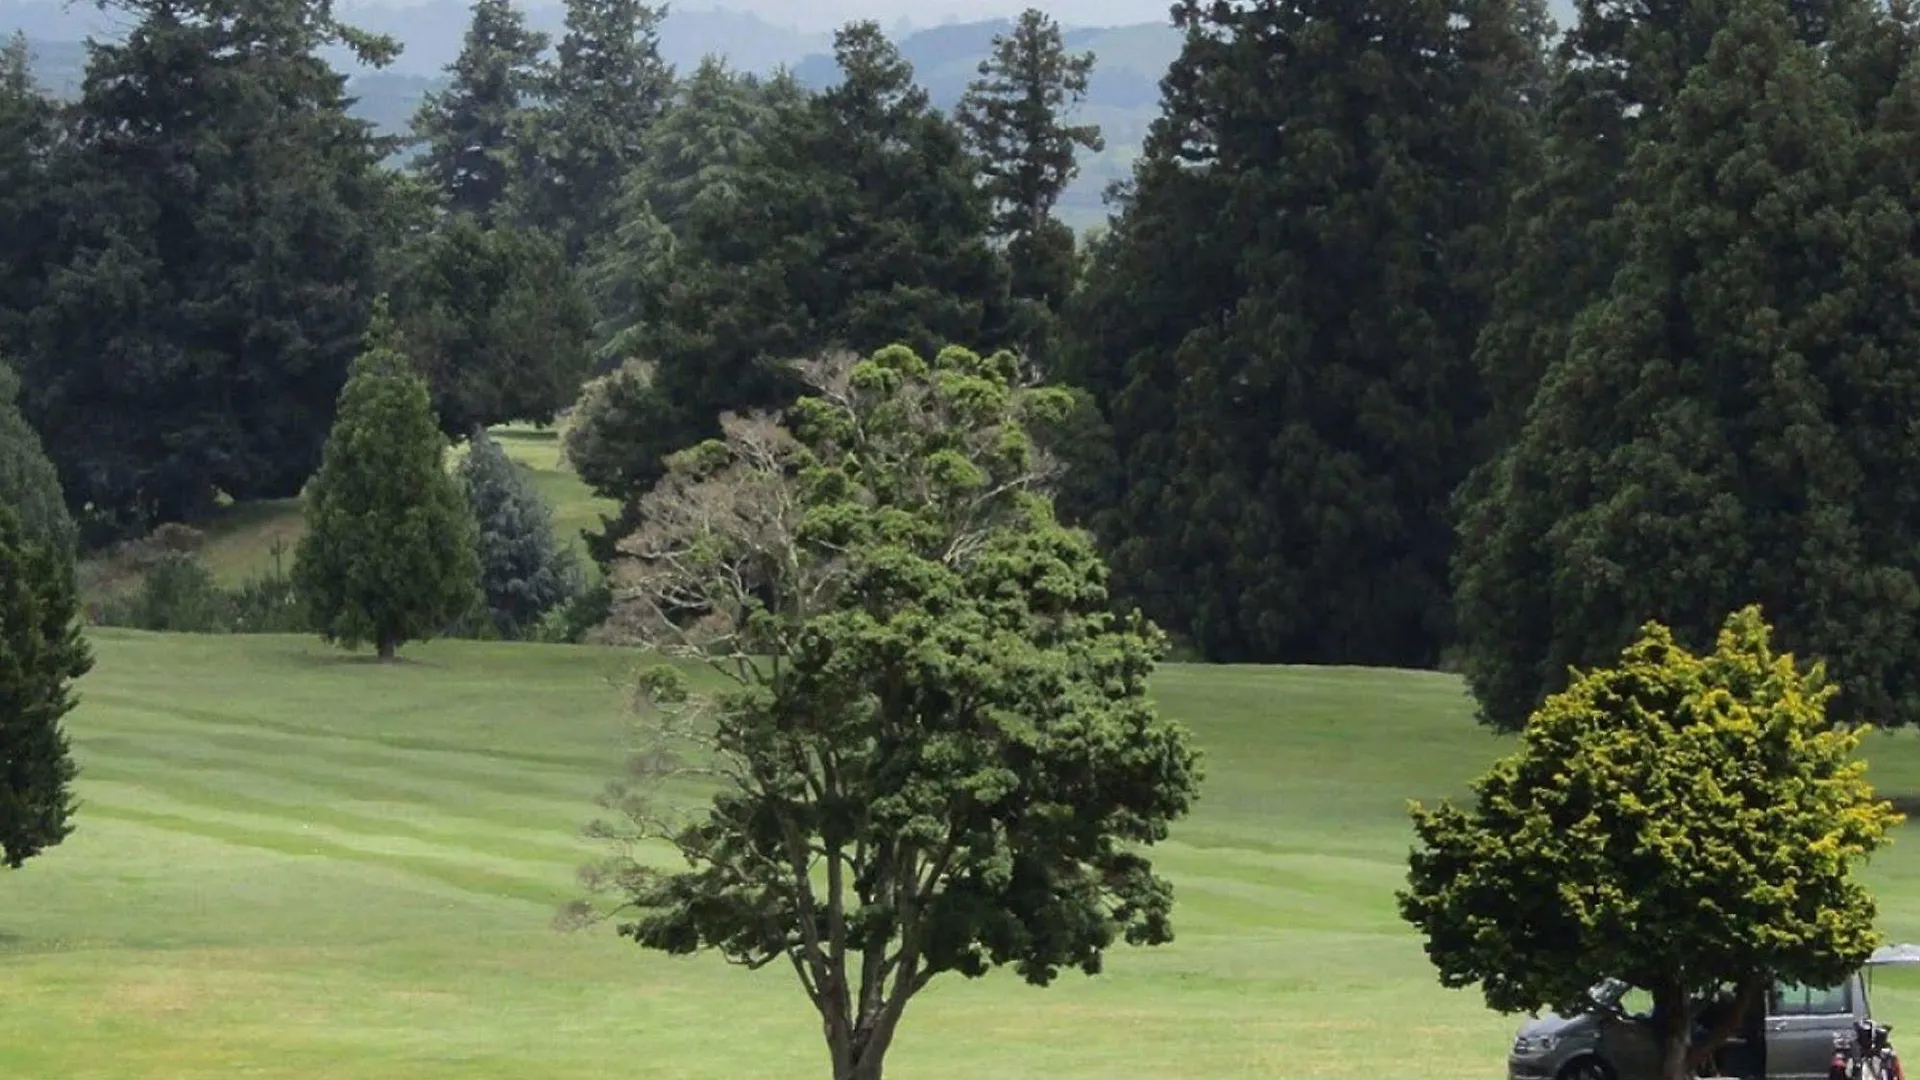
column 901, row 254
column 1282, row 322
column 495, row 320
column 607, row 85
column 1615, row 72
column 389, row 554
column 1731, row 422
column 469, row 127
column 1017, row 119
column 859, row 223
column 41, row 654
column 220, row 220
column 714, row 145
column 714, row 131
column 28, row 127
column 28, row 482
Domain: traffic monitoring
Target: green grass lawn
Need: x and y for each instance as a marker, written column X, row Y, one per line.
column 292, row 863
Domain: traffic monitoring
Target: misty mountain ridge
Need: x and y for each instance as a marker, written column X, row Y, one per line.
column 432, row 30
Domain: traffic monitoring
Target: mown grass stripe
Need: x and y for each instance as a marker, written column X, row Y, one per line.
column 386, row 782
column 180, row 717
column 456, row 873
column 443, row 828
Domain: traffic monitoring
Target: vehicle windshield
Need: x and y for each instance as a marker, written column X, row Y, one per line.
column 1608, row 992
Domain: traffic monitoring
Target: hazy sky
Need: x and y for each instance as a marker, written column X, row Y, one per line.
column 825, row 14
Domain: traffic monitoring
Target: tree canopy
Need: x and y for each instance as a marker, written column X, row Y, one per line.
column 1280, row 327
column 1016, row 117
column 1728, row 424
column 1681, row 822
column 495, row 321
column 934, row 747
column 852, row 218
column 28, row 482
column 469, row 128
column 606, row 86
column 221, row 219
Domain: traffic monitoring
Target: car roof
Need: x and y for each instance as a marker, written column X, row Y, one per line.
column 1894, row 954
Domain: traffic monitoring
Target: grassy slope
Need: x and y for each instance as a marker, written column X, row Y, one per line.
column 293, row 864
column 240, row 539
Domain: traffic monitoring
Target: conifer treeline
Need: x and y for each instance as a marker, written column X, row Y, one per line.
column 1424, row 332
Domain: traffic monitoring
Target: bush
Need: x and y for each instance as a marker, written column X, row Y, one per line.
column 524, row 573
column 178, row 594
column 268, row 604
column 570, row 623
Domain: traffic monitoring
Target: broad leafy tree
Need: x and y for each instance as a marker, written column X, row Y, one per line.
column 220, row 219
column 524, row 571
column 469, row 127
column 935, row 750
column 1730, row 424
column 1681, row 822
column 612, row 443
column 41, row 654
column 389, row 554
column 1281, row 325
column 495, row 320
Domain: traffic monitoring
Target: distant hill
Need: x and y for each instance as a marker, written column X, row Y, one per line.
column 431, row 31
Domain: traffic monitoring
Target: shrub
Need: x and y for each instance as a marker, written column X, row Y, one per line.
column 524, row 572
column 178, row 594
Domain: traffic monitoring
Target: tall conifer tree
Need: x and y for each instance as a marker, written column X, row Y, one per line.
column 469, row 127
column 221, row 217
column 1731, row 422
column 1282, row 322
column 389, row 555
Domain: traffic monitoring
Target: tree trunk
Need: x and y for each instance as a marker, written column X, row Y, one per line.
column 865, row 1052
column 387, row 647
column 861, row 1061
column 1732, row 1022
column 1675, row 1034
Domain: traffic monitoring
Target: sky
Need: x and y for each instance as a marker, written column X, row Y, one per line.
column 827, row 14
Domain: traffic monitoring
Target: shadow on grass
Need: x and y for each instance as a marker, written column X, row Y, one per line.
column 13, row 944
column 526, row 434
column 1908, row 805
column 343, row 658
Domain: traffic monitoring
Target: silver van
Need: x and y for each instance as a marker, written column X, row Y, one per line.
column 1790, row 1038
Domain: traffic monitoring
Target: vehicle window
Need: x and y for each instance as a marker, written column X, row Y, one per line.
column 1790, row 999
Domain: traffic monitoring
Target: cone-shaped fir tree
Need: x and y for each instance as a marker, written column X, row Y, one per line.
column 389, row 554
